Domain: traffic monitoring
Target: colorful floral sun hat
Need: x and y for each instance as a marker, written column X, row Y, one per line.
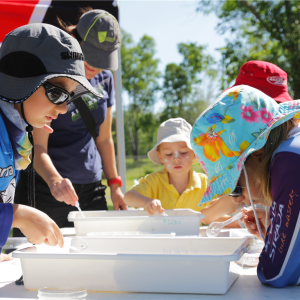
column 235, row 125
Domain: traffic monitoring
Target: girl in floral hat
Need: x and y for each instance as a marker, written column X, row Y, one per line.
column 250, row 147
column 271, row 80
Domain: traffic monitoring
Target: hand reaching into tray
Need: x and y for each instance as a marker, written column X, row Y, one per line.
column 63, row 191
column 154, row 206
column 5, row 257
column 249, row 221
column 37, row 226
column 135, row 199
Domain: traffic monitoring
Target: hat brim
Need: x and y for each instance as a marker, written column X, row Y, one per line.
column 100, row 59
column 16, row 90
column 225, row 182
column 279, row 97
column 152, row 154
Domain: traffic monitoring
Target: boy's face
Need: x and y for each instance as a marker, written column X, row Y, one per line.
column 39, row 110
column 176, row 157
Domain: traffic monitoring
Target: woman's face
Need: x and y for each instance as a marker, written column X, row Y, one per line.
column 39, row 110
column 90, row 72
column 251, row 166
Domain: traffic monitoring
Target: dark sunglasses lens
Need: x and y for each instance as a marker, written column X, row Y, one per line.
column 237, row 191
column 57, row 96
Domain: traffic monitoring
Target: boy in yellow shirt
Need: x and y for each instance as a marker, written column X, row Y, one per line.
column 177, row 185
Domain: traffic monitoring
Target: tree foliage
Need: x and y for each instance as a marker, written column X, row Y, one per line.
column 181, row 81
column 140, row 79
column 261, row 30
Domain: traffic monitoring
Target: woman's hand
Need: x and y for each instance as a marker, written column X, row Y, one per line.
column 63, row 191
column 117, row 198
column 154, row 206
column 250, row 223
column 37, row 226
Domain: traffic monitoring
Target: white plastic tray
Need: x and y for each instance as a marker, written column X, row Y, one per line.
column 137, row 264
column 179, row 221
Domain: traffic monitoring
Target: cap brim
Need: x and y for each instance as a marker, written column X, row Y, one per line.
column 279, row 97
column 152, row 154
column 15, row 90
column 100, row 59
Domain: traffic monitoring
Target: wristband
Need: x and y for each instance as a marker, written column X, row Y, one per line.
column 117, row 180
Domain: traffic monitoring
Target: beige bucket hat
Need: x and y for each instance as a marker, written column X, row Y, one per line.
column 170, row 131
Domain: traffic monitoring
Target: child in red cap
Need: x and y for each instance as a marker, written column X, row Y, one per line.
column 265, row 77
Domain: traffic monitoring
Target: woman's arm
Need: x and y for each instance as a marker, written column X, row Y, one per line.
column 105, row 146
column 61, row 188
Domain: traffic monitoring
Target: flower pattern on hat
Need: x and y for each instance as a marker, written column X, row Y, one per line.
column 249, row 114
column 229, row 130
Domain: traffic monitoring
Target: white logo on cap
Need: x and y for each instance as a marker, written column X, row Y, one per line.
column 277, row 80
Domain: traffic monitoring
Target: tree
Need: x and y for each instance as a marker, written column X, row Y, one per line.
column 140, row 79
column 261, row 30
column 181, row 82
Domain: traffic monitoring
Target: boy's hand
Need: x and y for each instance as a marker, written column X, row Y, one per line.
column 154, row 206
column 250, row 223
column 37, row 226
column 5, row 257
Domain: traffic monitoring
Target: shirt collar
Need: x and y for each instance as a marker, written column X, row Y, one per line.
column 194, row 180
column 13, row 115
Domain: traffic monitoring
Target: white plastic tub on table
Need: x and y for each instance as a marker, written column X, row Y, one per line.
column 179, row 221
column 137, row 264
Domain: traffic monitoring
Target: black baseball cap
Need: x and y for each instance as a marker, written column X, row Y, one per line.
column 32, row 54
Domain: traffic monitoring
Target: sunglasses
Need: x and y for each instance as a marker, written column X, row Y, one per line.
column 237, row 191
column 57, row 95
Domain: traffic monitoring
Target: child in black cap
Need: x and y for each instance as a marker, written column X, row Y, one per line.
column 40, row 67
column 70, row 162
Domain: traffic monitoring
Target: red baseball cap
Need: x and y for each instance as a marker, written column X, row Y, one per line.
column 265, row 77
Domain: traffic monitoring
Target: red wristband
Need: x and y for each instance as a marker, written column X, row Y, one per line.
column 117, row 180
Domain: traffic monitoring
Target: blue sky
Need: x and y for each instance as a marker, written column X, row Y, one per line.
column 169, row 23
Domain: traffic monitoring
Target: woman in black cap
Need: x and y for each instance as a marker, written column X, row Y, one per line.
column 70, row 161
column 36, row 83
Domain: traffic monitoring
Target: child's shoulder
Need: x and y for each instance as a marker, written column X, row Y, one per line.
column 199, row 179
column 155, row 175
column 200, row 175
column 153, row 180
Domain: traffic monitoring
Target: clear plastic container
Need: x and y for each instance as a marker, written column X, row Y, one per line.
column 62, row 293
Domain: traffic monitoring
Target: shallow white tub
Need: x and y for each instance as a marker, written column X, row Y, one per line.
column 137, row 264
column 179, row 221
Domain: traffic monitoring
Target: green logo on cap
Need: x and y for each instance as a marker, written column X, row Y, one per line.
column 102, row 37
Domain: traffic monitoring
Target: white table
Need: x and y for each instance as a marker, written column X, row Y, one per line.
column 247, row 286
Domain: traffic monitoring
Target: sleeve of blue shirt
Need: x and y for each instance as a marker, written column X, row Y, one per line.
column 6, row 219
column 279, row 262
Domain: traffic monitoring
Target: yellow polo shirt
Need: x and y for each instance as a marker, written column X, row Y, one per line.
column 157, row 186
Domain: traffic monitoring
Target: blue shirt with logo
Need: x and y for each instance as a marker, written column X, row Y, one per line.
column 71, row 147
column 7, row 183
